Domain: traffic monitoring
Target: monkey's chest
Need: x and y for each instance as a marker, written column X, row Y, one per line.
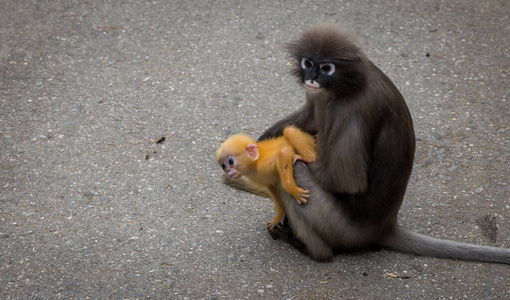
column 325, row 114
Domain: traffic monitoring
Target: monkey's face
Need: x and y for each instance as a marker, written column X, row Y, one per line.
column 316, row 74
column 229, row 166
column 326, row 59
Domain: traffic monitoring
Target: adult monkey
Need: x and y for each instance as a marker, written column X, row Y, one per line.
column 365, row 152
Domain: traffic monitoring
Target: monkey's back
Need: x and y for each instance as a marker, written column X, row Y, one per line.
column 269, row 154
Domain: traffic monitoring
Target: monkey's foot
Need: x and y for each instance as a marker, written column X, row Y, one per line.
column 274, row 222
column 281, row 231
column 284, row 232
column 302, row 195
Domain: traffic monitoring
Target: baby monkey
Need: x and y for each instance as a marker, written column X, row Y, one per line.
column 264, row 162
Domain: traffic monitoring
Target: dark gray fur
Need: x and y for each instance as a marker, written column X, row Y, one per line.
column 365, row 144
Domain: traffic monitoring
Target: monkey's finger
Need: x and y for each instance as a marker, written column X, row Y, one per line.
column 304, row 194
column 296, row 158
column 294, row 161
column 272, row 224
column 302, row 199
column 270, row 231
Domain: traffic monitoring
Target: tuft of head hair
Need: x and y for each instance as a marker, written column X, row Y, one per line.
column 326, row 39
column 234, row 145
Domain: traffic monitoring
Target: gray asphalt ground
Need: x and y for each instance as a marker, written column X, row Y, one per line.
column 93, row 207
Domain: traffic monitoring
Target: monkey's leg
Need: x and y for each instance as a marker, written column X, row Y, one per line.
column 305, row 220
column 280, row 210
column 286, row 173
column 284, row 232
column 302, row 237
column 302, row 142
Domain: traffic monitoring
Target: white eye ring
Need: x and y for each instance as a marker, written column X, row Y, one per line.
column 306, row 63
column 231, row 161
column 328, row 68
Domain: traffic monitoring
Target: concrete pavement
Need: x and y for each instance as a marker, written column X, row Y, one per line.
column 94, row 204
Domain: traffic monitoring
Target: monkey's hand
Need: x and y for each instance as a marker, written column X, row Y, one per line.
column 301, row 195
column 279, row 219
column 297, row 157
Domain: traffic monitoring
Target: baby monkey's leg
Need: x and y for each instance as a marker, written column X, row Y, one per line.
column 303, row 143
column 286, row 172
column 280, row 210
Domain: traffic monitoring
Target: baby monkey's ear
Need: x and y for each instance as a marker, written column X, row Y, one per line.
column 253, row 151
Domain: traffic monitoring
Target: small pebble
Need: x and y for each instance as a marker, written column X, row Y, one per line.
column 260, row 36
column 88, row 194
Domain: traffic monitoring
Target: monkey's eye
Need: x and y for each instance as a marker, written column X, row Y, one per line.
column 306, row 63
column 328, row 68
column 223, row 166
column 231, row 161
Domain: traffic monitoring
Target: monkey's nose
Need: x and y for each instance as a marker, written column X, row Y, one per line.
column 312, row 83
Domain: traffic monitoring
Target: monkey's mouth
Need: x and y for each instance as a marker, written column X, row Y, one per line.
column 234, row 176
column 312, row 87
column 312, row 90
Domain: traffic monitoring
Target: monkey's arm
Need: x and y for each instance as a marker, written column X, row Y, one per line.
column 303, row 118
column 343, row 166
column 245, row 184
column 286, row 173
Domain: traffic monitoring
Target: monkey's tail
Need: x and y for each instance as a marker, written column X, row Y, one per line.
column 245, row 184
column 406, row 241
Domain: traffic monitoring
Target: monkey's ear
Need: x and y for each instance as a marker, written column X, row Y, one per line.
column 253, row 151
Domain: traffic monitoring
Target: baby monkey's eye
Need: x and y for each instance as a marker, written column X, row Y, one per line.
column 231, row 161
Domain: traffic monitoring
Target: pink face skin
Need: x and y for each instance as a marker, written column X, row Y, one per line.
column 229, row 166
column 228, row 162
column 233, row 174
column 313, row 87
